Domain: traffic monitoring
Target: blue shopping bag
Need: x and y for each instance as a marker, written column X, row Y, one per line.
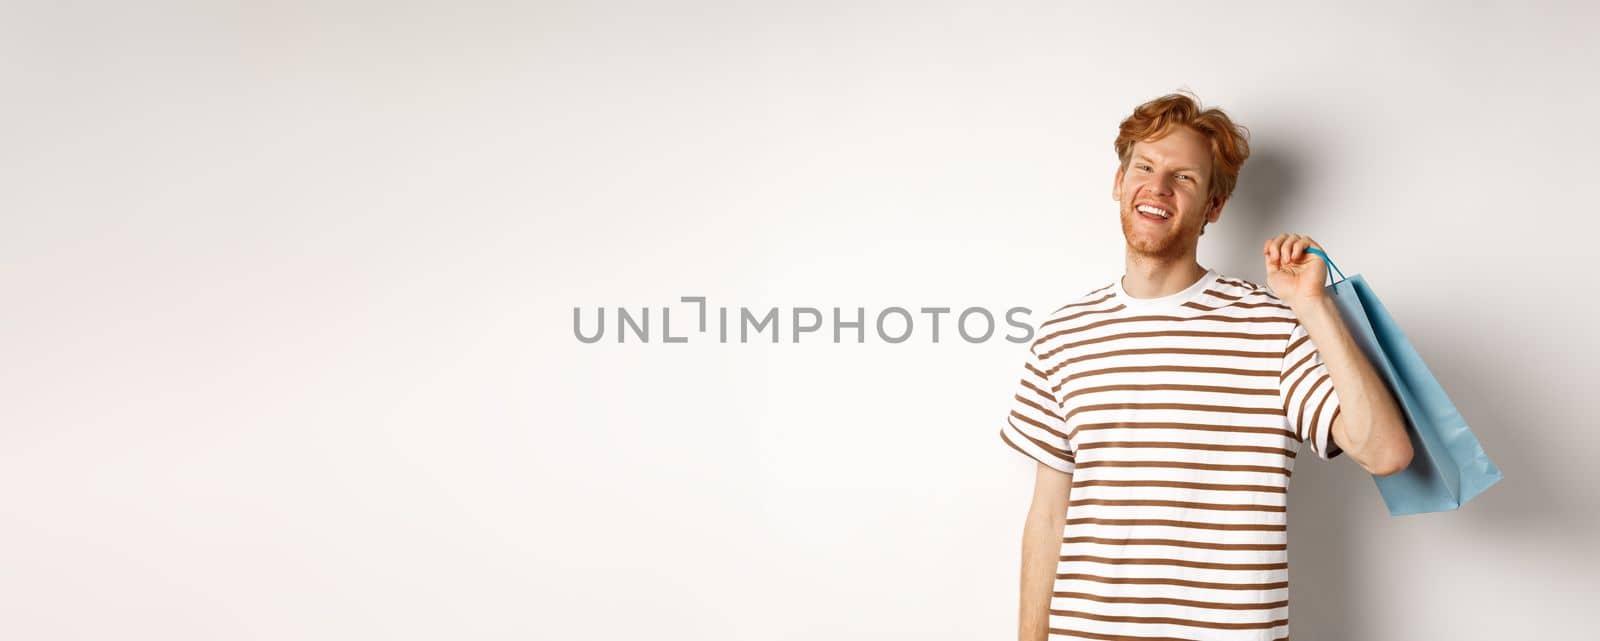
column 1448, row 465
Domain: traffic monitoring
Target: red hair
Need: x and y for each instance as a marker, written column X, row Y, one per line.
column 1154, row 119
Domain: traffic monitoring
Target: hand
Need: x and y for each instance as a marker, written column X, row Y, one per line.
column 1295, row 275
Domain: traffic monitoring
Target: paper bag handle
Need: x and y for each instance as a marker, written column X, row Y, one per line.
column 1329, row 261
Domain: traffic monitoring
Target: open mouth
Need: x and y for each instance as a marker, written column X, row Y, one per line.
column 1154, row 213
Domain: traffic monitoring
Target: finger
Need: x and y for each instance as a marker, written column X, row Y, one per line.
column 1300, row 245
column 1285, row 248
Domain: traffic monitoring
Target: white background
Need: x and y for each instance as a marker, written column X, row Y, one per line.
column 288, row 351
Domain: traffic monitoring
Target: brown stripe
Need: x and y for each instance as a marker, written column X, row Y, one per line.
column 1042, row 426
column 1026, row 453
column 1088, row 302
column 1188, row 466
column 1307, row 398
column 1162, row 334
column 1203, row 427
column 1290, row 369
column 1193, row 407
column 1238, row 283
column 1047, row 396
column 1041, row 408
column 1206, row 308
column 1216, row 294
column 1200, row 565
column 1219, row 487
column 1193, row 525
column 1288, row 398
column 1168, row 368
column 1219, row 389
column 1178, row 445
column 1271, row 605
column 1260, row 547
column 1060, row 453
column 1295, row 345
column 1138, row 319
column 1038, row 374
column 1318, row 415
column 1114, row 637
column 1194, row 351
column 1235, row 507
column 1263, row 625
column 1189, row 584
column 1063, row 319
column 1121, row 637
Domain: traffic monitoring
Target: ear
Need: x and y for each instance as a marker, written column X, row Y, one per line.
column 1216, row 209
column 1116, row 184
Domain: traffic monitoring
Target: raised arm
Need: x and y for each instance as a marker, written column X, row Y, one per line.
column 1370, row 427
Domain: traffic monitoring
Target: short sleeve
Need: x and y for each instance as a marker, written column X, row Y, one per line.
column 1035, row 426
column 1306, row 390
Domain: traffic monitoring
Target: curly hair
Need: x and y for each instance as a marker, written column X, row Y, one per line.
column 1229, row 141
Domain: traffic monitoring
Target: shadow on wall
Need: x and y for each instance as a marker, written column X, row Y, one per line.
column 1522, row 420
column 1338, row 520
column 1256, row 211
column 1324, row 585
column 1335, row 507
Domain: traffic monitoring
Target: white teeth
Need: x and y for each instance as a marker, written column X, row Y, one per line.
column 1154, row 211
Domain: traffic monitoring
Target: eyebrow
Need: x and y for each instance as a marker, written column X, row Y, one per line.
column 1147, row 159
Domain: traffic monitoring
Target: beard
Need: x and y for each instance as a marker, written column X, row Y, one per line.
column 1179, row 239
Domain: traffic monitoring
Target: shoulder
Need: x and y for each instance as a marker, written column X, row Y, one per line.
column 1237, row 294
column 1255, row 307
column 1078, row 310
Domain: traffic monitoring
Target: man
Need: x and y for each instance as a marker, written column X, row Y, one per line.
column 1166, row 409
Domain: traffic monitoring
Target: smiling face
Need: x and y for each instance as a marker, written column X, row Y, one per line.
column 1163, row 193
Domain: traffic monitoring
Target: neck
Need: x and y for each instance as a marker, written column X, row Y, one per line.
column 1154, row 277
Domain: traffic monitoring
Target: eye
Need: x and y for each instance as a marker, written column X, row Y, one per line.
column 1143, row 167
column 1185, row 177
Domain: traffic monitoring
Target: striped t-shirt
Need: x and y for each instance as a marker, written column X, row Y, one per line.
column 1179, row 419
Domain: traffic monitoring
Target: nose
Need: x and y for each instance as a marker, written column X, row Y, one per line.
column 1161, row 183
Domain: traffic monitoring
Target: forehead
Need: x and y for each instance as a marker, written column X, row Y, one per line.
column 1182, row 146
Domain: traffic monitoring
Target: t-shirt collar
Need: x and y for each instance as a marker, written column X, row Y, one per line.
column 1170, row 300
